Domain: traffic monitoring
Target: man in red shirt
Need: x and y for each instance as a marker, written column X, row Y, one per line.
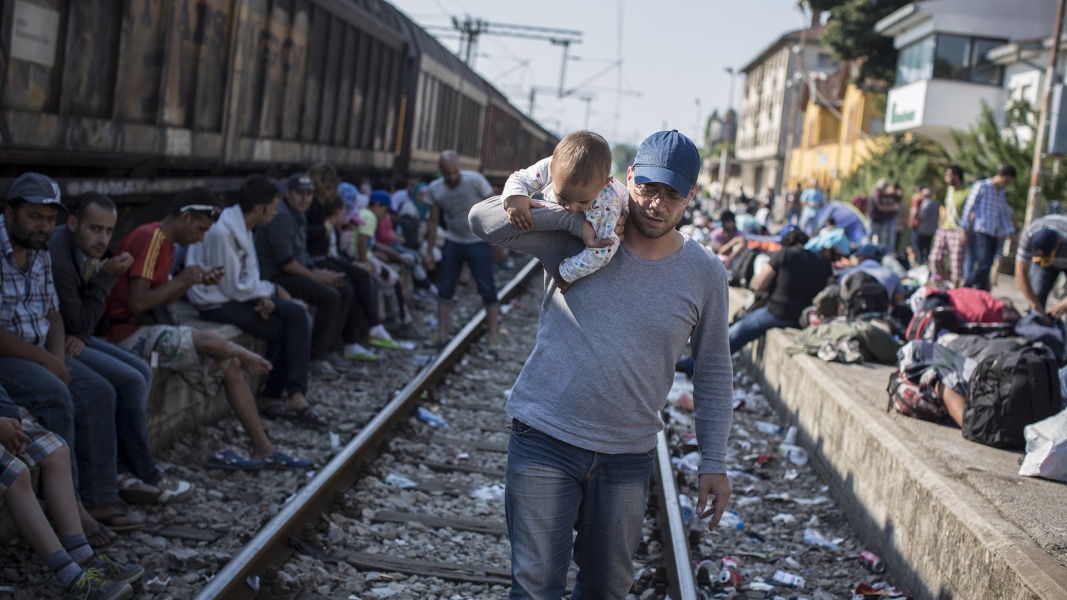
column 139, row 320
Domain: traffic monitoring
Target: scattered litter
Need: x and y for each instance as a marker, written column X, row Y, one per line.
column 872, row 562
column 743, row 501
column 156, row 584
column 428, row 416
column 731, row 520
column 766, row 427
column 810, row 501
column 689, row 462
column 790, row 579
column 815, row 538
column 784, row 519
column 876, row 590
column 335, row 441
column 759, row 586
column 421, row 360
column 730, row 574
column 489, row 492
column 795, row 454
column 398, row 480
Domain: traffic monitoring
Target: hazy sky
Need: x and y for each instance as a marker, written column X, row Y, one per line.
column 673, row 53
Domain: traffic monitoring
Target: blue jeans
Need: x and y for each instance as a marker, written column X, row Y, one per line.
column 479, row 256
column 884, row 234
column 553, row 490
column 83, row 415
column 131, row 377
column 755, row 324
column 288, row 336
column 982, row 250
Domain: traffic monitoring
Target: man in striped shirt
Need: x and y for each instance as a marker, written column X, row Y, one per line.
column 986, row 220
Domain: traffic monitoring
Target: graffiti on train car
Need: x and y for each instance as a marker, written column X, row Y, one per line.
column 195, row 75
column 282, row 50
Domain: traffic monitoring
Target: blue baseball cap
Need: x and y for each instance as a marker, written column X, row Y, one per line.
column 35, row 189
column 668, row 157
column 381, row 197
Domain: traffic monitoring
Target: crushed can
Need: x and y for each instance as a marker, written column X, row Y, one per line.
column 730, row 575
column 872, row 562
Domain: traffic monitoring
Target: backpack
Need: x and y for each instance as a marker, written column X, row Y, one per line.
column 913, row 399
column 1007, row 393
column 861, row 294
column 976, row 306
column 742, row 267
column 929, row 324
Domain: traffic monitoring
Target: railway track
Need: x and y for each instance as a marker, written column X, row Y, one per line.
column 414, row 501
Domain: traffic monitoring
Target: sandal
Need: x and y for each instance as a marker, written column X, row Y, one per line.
column 120, row 520
column 102, row 537
column 307, row 415
column 281, row 460
column 228, row 459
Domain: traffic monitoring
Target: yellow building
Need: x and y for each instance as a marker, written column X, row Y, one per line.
column 842, row 123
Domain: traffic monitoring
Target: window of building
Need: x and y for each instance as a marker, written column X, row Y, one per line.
column 949, row 56
column 915, row 61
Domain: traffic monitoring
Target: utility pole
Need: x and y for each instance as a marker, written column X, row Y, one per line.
column 726, row 119
column 563, row 66
column 1033, row 199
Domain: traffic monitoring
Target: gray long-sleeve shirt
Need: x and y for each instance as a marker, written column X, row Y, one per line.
column 604, row 358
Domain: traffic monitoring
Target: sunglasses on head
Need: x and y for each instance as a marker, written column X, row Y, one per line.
column 210, row 209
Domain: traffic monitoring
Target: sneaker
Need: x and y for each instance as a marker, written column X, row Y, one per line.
column 322, row 369
column 849, row 351
column 169, row 490
column 362, row 355
column 112, row 570
column 391, row 344
column 92, row 585
column 828, row 351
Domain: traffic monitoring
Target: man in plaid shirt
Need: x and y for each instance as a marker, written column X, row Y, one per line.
column 986, row 220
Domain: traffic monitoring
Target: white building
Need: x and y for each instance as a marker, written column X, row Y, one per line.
column 944, row 70
column 768, row 101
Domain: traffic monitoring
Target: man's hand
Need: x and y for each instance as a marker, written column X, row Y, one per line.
column 74, row 345
column 282, row 293
column 716, row 488
column 191, row 275
column 620, row 226
column 561, row 284
column 518, row 208
column 429, row 261
column 213, row 275
column 264, row 306
column 57, row 367
column 118, row 264
column 1059, row 310
column 327, row 276
column 11, row 435
column 590, row 239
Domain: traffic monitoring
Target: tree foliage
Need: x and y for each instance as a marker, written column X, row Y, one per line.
column 850, row 35
column 911, row 161
column 987, row 145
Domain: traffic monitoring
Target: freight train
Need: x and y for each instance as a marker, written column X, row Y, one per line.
column 139, row 98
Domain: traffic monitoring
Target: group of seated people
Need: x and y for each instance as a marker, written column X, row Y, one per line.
column 83, row 329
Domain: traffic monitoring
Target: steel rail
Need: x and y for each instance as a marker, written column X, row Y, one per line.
column 242, row 576
column 675, row 543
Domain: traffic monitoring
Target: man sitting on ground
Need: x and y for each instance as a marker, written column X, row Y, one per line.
column 83, row 278
column 140, row 322
column 260, row 308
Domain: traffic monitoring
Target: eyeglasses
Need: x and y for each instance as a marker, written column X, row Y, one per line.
column 671, row 199
column 211, row 209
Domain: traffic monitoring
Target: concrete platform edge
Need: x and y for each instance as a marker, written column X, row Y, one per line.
column 939, row 537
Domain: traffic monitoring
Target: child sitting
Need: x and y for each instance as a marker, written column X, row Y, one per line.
column 578, row 178
column 80, row 571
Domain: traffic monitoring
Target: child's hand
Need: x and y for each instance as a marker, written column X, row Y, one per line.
column 590, row 239
column 518, row 208
column 11, row 436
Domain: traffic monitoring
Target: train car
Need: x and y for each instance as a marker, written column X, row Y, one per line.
column 512, row 140
column 449, row 109
column 138, row 98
